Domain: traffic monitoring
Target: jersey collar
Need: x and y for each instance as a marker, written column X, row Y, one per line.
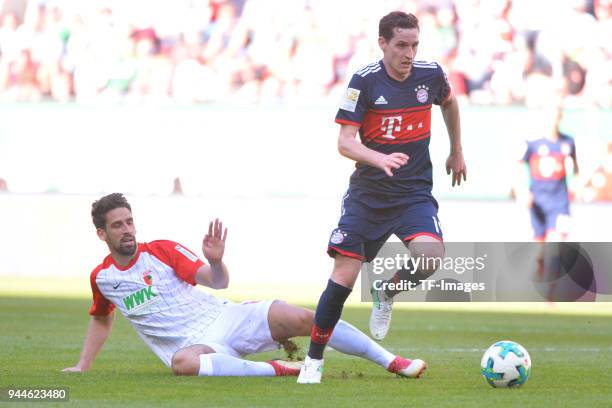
column 395, row 81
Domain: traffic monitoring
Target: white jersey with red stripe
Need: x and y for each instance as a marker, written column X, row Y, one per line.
column 156, row 293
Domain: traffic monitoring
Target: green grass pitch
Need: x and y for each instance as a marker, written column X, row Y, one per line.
column 572, row 360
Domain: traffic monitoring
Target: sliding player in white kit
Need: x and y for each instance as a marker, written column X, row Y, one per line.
column 192, row 332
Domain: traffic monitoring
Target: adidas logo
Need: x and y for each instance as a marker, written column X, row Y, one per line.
column 380, row 101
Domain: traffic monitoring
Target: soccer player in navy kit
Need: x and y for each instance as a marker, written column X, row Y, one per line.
column 389, row 103
column 547, row 159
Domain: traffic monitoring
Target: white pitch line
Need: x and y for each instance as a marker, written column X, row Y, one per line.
column 478, row 350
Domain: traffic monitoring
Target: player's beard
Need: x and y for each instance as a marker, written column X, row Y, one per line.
column 127, row 246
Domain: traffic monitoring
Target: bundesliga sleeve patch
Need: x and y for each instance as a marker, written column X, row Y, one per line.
column 349, row 100
column 187, row 254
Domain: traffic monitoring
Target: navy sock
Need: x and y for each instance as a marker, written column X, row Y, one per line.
column 403, row 275
column 327, row 315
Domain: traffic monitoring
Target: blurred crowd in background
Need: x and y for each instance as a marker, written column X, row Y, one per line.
column 295, row 51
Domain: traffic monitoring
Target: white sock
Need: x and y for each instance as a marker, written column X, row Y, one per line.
column 349, row 340
column 224, row 365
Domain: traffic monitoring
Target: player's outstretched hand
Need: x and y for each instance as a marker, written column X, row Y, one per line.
column 213, row 245
column 455, row 164
column 72, row 370
column 390, row 162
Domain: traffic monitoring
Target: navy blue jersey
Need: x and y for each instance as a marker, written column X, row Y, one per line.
column 546, row 159
column 394, row 116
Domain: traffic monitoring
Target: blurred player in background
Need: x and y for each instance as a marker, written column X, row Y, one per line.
column 389, row 103
column 194, row 333
column 548, row 159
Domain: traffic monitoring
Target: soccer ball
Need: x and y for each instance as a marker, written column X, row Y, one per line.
column 506, row 364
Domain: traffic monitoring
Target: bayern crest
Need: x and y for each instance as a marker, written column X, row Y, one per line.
column 566, row 149
column 422, row 93
column 337, row 236
column 543, row 150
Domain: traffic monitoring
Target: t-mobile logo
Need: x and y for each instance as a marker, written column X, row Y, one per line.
column 388, row 125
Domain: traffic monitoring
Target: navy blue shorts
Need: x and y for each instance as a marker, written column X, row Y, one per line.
column 362, row 230
column 546, row 221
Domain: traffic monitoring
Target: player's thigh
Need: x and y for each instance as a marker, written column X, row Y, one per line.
column 358, row 226
column 419, row 229
column 288, row 321
column 242, row 329
column 426, row 246
column 346, row 270
column 186, row 361
column 538, row 222
column 347, row 247
column 557, row 225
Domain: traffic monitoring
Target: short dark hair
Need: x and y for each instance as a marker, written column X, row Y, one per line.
column 100, row 207
column 393, row 20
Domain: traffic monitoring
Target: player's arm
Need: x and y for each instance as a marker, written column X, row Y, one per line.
column 574, row 179
column 97, row 333
column 522, row 176
column 455, row 163
column 215, row 275
column 575, row 162
column 521, row 184
column 350, row 147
